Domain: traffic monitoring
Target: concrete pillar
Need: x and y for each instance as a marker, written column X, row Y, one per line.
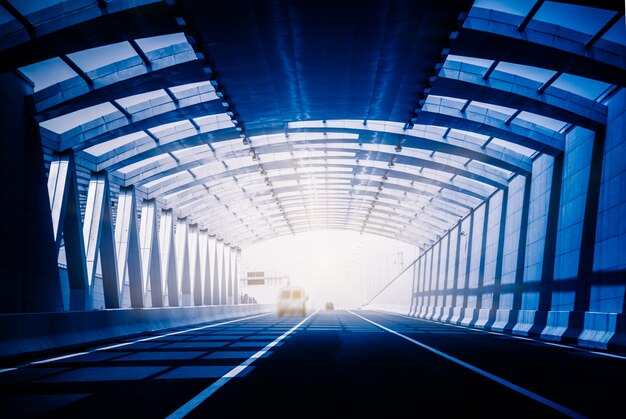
column 99, row 240
column 204, row 287
column 434, row 278
column 127, row 247
column 493, row 271
column 415, row 285
column 455, row 245
column 67, row 225
column 168, row 257
column 471, row 317
column 237, row 275
column 228, row 273
column 466, row 238
column 195, row 276
column 444, row 278
column 183, row 277
column 217, row 266
column 209, row 293
column 150, row 255
column 577, row 226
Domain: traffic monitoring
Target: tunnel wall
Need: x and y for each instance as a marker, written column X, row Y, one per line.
column 544, row 258
column 28, row 333
column 25, row 223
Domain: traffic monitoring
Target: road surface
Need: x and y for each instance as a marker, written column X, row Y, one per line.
column 329, row 364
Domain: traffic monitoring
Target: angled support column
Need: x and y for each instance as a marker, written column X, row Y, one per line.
column 98, row 238
column 67, row 225
column 150, row 256
column 204, row 285
column 443, row 311
column 222, row 255
column 195, row 277
column 183, row 278
column 228, row 254
column 237, row 256
column 168, row 257
column 416, row 279
column 127, row 247
column 209, row 294
column 217, row 271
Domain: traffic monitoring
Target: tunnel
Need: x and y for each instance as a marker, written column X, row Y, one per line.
column 463, row 162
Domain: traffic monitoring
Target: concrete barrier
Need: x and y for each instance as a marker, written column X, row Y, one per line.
column 563, row 326
column 590, row 329
column 598, row 329
column 484, row 315
column 525, row 322
column 28, row 333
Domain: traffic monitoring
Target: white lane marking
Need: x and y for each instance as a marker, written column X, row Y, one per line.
column 119, row 345
column 521, row 390
column 521, row 337
column 58, row 358
column 185, row 409
column 605, row 354
column 560, row 345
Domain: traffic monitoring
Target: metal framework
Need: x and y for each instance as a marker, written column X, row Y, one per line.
column 167, row 180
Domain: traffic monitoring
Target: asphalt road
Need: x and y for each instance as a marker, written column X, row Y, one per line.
column 330, row 364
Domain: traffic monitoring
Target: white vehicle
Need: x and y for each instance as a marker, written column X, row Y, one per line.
column 292, row 300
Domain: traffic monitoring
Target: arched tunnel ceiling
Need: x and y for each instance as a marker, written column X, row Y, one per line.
column 256, row 119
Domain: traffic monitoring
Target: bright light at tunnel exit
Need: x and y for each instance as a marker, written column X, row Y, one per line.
column 332, row 265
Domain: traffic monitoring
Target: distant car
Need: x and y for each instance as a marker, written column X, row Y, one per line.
column 292, row 300
column 330, row 306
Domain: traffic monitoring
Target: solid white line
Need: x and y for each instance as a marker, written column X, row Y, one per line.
column 609, row 355
column 58, row 358
column 521, row 390
column 119, row 345
column 185, row 409
column 521, row 337
column 559, row 345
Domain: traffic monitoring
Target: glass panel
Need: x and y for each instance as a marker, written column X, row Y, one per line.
column 141, row 163
column 47, row 73
column 107, row 146
column 163, row 41
column 617, row 33
column 471, row 60
column 591, row 89
column 511, row 146
column 516, row 7
column 5, row 16
column 544, row 121
column 99, row 57
column 129, row 101
column 66, row 122
column 27, row 7
column 497, row 108
column 534, row 73
column 204, row 86
column 580, row 18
